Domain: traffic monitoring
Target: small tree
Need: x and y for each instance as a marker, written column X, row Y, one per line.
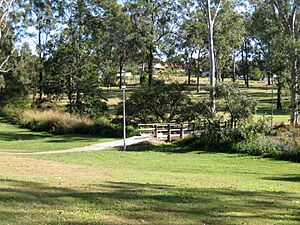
column 161, row 103
column 239, row 106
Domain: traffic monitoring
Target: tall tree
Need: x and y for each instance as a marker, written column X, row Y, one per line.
column 211, row 10
column 192, row 38
column 153, row 21
column 40, row 16
column 119, row 40
column 280, row 20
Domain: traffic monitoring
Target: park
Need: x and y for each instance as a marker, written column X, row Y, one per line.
column 149, row 112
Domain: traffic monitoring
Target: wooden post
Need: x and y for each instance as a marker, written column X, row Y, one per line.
column 155, row 131
column 181, row 131
column 169, row 133
column 194, row 128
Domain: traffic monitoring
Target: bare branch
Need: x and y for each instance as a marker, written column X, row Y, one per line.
column 2, row 70
column 217, row 11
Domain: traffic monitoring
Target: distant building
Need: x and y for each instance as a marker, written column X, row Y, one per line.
column 159, row 67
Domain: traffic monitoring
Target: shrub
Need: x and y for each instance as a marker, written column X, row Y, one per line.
column 269, row 147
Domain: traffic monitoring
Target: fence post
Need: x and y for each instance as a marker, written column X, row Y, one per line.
column 194, row 128
column 169, row 133
column 155, row 131
column 181, row 131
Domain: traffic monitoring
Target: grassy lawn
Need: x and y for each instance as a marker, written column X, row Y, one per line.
column 14, row 139
column 143, row 186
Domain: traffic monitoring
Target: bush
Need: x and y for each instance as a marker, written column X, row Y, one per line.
column 58, row 122
column 269, row 147
column 253, row 139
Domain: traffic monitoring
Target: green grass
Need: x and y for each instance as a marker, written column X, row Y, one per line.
column 113, row 187
column 146, row 185
column 14, row 139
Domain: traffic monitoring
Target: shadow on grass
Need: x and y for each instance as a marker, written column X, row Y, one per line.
column 136, row 203
column 167, row 148
column 289, row 178
column 19, row 135
column 23, row 135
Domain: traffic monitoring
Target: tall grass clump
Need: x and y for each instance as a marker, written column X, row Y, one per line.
column 60, row 122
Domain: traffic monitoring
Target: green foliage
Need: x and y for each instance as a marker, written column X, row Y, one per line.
column 269, row 147
column 240, row 106
column 161, row 103
column 256, row 74
column 109, row 77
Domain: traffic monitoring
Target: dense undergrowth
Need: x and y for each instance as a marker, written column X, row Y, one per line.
column 57, row 121
column 282, row 142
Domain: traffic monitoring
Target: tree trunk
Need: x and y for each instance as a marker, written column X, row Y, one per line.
column 198, row 81
column 294, row 94
column 212, row 61
column 142, row 77
column 70, row 93
column 218, row 71
column 269, row 79
column 279, row 88
column 247, row 64
column 40, row 64
column 150, row 66
column 189, row 75
column 243, row 65
column 233, row 69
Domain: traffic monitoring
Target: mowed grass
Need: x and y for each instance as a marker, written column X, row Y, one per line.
column 114, row 187
column 146, row 185
column 15, row 139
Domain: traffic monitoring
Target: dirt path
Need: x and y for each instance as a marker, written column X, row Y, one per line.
column 94, row 147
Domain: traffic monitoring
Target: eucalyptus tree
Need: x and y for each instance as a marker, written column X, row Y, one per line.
column 192, row 38
column 119, row 41
column 73, row 63
column 280, row 22
column 40, row 20
column 211, row 10
column 229, row 33
column 7, row 9
column 153, row 22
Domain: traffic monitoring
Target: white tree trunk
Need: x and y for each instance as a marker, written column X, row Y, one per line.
column 6, row 7
column 294, row 94
column 206, row 6
column 210, row 24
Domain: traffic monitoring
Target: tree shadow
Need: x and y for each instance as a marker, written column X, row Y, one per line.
column 166, row 148
column 21, row 135
column 133, row 203
column 289, row 178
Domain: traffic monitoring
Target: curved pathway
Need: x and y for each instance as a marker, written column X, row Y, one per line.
column 95, row 147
